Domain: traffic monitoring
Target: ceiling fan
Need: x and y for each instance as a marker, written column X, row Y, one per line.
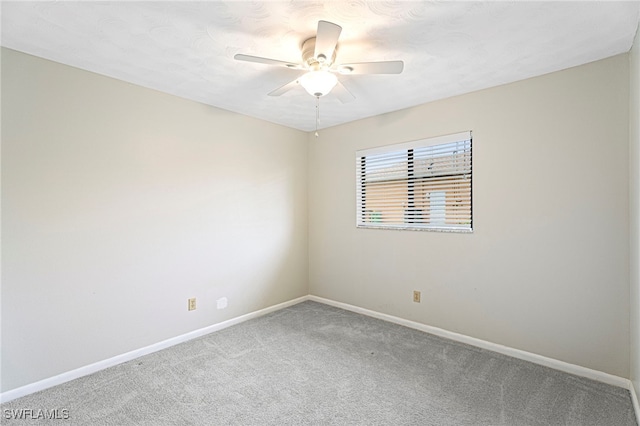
column 318, row 62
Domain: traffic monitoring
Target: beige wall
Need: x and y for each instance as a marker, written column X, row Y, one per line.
column 120, row 203
column 547, row 267
column 634, row 204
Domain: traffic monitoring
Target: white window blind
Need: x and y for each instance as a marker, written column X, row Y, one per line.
column 424, row 184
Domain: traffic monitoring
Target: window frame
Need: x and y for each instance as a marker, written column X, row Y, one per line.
column 411, row 182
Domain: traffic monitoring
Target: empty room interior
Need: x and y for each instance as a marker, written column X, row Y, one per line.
column 176, row 198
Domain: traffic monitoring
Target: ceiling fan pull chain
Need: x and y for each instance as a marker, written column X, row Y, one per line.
column 317, row 114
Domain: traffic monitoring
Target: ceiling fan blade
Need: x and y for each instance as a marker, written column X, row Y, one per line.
column 327, row 39
column 342, row 93
column 387, row 67
column 284, row 89
column 260, row 60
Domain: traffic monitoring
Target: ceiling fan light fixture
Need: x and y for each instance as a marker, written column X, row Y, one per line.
column 318, row 83
column 318, row 59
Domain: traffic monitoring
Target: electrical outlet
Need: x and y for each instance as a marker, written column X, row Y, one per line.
column 416, row 296
column 192, row 304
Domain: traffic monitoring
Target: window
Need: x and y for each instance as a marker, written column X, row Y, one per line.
column 424, row 184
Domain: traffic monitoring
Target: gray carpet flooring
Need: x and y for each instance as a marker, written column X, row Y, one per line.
column 315, row 364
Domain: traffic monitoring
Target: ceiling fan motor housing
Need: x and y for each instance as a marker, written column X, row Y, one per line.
column 308, row 55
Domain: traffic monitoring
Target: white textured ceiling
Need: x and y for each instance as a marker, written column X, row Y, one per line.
column 449, row 48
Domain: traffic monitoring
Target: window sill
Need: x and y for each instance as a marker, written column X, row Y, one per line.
column 411, row 228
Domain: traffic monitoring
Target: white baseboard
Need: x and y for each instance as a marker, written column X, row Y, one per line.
column 634, row 400
column 516, row 353
column 119, row 359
